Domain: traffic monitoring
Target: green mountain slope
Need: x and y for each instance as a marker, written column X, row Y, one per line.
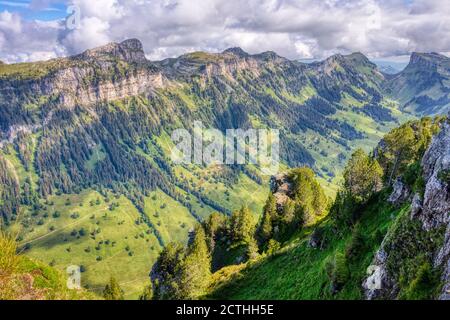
column 399, row 231
column 423, row 86
column 300, row 272
column 98, row 125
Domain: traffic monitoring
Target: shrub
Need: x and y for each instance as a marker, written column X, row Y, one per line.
column 8, row 258
column 273, row 246
column 444, row 176
column 356, row 245
column 422, row 287
column 338, row 272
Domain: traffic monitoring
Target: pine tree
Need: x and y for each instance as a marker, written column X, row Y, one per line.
column 308, row 195
column 166, row 273
column 212, row 226
column 113, row 291
column 147, row 294
column 196, row 269
column 363, row 176
column 265, row 229
column 242, row 226
column 252, row 250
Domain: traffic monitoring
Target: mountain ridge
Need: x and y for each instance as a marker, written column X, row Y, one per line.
column 95, row 130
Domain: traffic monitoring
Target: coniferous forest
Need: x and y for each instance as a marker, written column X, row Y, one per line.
column 93, row 205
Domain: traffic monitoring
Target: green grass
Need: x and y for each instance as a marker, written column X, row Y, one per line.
column 18, row 169
column 203, row 57
column 127, row 252
column 172, row 220
column 98, row 155
column 32, row 70
column 298, row 272
column 24, row 278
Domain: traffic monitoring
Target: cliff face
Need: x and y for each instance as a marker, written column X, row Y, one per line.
column 431, row 212
column 436, row 162
column 425, row 72
column 29, row 99
column 436, row 205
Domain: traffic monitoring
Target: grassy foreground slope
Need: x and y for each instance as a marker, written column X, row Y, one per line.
column 299, row 271
column 333, row 261
column 22, row 278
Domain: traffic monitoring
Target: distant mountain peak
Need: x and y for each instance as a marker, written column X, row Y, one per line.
column 269, row 55
column 358, row 56
column 237, row 51
column 353, row 60
column 130, row 50
column 426, row 59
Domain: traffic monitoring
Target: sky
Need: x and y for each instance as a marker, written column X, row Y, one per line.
column 390, row 30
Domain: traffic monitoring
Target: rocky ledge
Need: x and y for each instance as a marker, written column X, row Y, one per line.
column 130, row 51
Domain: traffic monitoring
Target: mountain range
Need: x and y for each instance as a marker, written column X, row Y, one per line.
column 85, row 142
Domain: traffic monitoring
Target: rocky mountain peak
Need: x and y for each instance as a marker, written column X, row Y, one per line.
column 130, row 50
column 236, row 51
column 425, row 60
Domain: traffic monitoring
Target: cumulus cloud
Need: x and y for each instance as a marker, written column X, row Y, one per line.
column 293, row 28
column 22, row 40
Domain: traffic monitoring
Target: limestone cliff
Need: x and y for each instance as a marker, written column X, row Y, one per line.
column 431, row 212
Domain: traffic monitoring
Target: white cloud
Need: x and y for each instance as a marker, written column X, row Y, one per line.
column 93, row 32
column 293, row 28
column 22, row 40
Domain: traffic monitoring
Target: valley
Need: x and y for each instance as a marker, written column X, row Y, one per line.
column 85, row 163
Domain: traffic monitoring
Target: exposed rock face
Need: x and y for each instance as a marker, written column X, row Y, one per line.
column 67, row 86
column 443, row 259
column 436, row 203
column 281, row 188
column 416, row 206
column 379, row 284
column 400, row 193
column 433, row 212
column 130, row 51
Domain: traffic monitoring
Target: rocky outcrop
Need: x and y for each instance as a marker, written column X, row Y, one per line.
column 443, row 260
column 379, row 284
column 67, row 86
column 436, row 204
column 416, row 206
column 281, row 188
column 400, row 194
column 130, row 51
column 433, row 213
